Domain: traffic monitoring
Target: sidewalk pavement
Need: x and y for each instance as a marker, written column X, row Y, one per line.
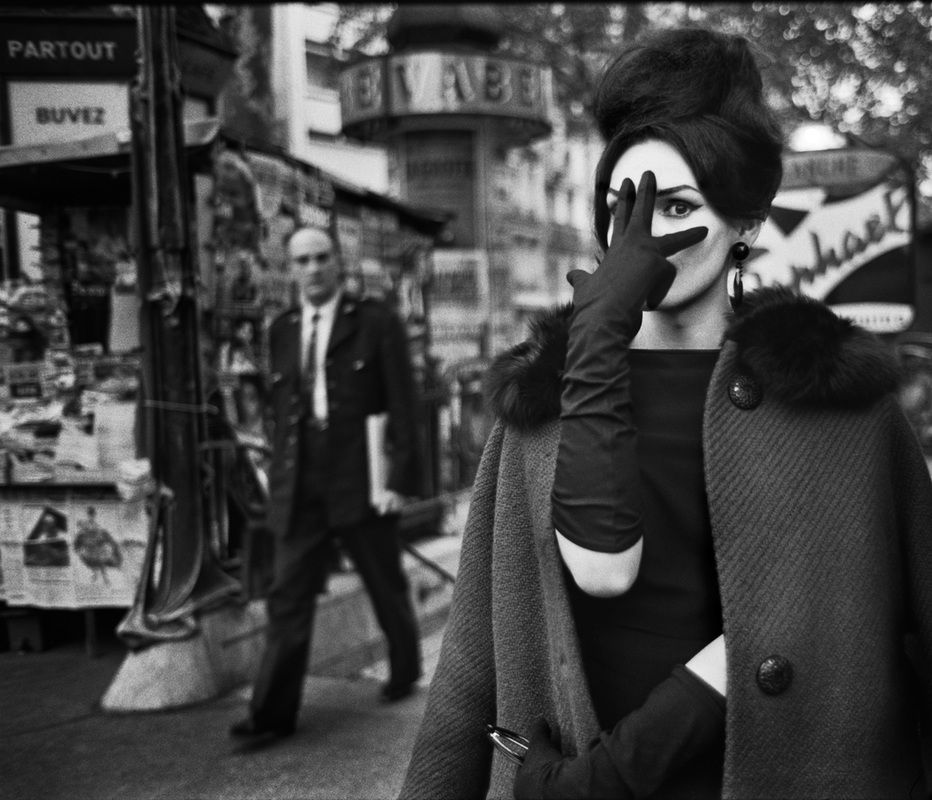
column 56, row 742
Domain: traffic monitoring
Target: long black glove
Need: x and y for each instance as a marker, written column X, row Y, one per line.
column 596, row 498
column 682, row 718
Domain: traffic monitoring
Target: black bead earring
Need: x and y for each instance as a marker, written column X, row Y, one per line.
column 739, row 252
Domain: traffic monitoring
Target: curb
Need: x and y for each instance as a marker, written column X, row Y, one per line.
column 225, row 653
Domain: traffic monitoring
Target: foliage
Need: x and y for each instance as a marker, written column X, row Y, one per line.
column 864, row 69
column 247, row 103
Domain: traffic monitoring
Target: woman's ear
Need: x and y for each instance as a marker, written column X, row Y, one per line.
column 749, row 230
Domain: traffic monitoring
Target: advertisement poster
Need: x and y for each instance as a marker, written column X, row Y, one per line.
column 841, row 230
column 71, row 550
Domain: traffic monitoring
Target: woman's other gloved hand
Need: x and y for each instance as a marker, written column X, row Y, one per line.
column 545, row 773
column 682, row 718
column 596, row 496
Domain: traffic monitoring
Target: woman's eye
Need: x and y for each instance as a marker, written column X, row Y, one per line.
column 678, row 208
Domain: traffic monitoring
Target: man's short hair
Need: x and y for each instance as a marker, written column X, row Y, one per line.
column 298, row 228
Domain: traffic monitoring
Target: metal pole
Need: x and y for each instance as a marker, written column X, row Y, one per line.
column 172, row 394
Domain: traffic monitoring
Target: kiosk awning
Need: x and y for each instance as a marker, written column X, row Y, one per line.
column 86, row 172
column 96, row 171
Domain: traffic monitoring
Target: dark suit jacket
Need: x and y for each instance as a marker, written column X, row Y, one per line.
column 368, row 371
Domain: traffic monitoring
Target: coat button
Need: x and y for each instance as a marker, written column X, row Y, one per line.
column 745, row 392
column 774, row 675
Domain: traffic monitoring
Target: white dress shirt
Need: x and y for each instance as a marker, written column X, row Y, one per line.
column 328, row 313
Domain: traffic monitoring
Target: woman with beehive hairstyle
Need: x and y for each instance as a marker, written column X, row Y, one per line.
column 698, row 561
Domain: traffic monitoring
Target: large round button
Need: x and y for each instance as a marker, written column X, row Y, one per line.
column 774, row 675
column 745, row 392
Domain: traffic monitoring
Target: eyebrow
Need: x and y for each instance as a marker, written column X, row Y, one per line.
column 662, row 192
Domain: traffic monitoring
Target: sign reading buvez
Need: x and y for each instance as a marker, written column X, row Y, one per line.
column 57, row 111
column 88, row 115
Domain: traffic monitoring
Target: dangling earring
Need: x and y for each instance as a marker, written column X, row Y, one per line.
column 739, row 252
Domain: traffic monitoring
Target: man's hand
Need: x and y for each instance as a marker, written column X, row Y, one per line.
column 388, row 502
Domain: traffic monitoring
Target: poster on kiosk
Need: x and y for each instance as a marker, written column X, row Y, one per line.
column 841, row 231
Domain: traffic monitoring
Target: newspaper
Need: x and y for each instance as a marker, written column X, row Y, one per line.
column 376, row 426
column 71, row 549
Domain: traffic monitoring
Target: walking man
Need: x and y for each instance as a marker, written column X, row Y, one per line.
column 335, row 361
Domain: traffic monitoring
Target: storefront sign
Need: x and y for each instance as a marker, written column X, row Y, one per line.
column 204, row 70
column 837, row 238
column 445, row 83
column 828, row 168
column 59, row 111
column 73, row 47
column 847, row 251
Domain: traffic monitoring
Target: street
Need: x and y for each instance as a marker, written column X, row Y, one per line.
column 55, row 744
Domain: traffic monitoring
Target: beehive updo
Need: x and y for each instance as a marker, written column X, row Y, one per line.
column 700, row 92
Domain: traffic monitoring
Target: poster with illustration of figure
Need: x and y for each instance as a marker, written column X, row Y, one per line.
column 71, row 550
column 46, row 553
column 109, row 544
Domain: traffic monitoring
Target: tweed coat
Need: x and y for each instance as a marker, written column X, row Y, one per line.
column 368, row 371
column 821, row 506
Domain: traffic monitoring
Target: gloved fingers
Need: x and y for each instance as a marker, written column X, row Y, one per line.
column 575, row 277
column 661, row 286
column 623, row 208
column 540, row 729
column 542, row 739
column 674, row 242
column 646, row 198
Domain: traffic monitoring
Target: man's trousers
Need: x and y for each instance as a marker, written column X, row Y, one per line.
column 300, row 569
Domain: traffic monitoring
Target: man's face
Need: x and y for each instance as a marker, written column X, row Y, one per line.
column 315, row 264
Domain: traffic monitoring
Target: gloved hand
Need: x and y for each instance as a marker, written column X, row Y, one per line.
column 596, row 497
column 681, row 719
column 547, row 775
column 635, row 269
column 541, row 757
column 542, row 760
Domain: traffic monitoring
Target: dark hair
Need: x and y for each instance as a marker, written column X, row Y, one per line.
column 700, row 92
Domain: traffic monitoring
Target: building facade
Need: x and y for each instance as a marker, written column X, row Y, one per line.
column 523, row 208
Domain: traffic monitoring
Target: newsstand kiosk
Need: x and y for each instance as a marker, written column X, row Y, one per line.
column 74, row 526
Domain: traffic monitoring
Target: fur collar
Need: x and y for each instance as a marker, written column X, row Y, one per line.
column 800, row 351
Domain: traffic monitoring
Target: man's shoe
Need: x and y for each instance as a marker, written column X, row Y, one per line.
column 392, row 691
column 249, row 729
